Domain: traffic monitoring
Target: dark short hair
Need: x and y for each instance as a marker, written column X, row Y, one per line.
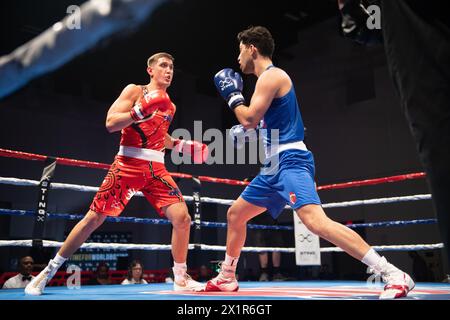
column 23, row 258
column 102, row 265
column 133, row 264
column 260, row 37
column 158, row 55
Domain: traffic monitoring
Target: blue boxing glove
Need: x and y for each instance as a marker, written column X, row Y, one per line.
column 229, row 84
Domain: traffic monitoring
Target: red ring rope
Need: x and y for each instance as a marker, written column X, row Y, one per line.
column 97, row 165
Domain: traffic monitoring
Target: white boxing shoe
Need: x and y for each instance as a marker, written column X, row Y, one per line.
column 37, row 285
column 188, row 285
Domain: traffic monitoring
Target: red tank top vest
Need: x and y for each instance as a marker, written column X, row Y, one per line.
column 150, row 133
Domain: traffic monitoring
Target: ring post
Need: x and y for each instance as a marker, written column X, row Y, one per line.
column 196, row 187
column 42, row 203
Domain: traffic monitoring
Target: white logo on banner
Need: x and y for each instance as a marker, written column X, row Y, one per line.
column 307, row 245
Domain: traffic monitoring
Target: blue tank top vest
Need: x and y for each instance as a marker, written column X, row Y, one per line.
column 284, row 115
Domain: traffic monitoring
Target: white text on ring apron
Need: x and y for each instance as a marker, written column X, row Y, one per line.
column 307, row 245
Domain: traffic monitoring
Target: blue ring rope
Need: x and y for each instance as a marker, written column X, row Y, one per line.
column 65, row 216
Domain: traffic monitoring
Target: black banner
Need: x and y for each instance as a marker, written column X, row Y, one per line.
column 42, row 203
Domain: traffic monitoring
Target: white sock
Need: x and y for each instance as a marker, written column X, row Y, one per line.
column 59, row 260
column 231, row 261
column 180, row 265
column 371, row 259
column 179, row 270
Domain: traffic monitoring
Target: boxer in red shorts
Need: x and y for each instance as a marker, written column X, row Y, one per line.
column 143, row 115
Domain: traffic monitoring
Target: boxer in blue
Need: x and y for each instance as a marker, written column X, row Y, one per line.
column 274, row 108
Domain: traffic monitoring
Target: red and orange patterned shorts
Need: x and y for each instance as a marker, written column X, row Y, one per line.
column 128, row 176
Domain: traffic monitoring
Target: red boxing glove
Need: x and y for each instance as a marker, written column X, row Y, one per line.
column 149, row 104
column 197, row 150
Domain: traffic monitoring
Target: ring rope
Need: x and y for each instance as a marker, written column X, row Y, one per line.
column 229, row 202
column 331, row 249
column 353, row 203
column 371, row 182
column 65, row 216
column 97, row 165
column 208, row 224
column 154, row 247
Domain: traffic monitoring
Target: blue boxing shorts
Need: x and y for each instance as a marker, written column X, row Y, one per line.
column 292, row 183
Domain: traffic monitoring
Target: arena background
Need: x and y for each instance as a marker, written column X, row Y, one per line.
column 355, row 125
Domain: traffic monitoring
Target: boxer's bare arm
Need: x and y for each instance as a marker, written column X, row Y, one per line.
column 168, row 142
column 267, row 86
column 118, row 116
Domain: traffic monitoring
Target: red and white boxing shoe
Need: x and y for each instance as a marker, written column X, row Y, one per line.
column 225, row 280
column 398, row 283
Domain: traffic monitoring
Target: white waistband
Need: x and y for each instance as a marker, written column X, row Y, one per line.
column 277, row 148
column 143, row 154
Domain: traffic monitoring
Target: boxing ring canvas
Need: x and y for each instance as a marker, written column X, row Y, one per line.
column 304, row 290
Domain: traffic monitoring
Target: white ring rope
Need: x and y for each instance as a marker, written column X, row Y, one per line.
column 330, row 249
column 90, row 245
column 152, row 247
column 229, row 202
column 416, row 197
column 54, row 185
